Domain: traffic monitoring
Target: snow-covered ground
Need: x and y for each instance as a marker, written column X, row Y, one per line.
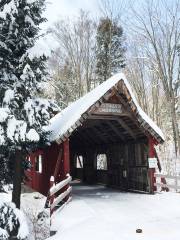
column 99, row 213
column 32, row 205
column 38, row 218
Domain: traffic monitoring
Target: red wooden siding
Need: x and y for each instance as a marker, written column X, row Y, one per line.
column 152, row 154
column 41, row 181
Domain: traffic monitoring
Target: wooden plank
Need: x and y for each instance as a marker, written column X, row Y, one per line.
column 132, row 114
column 90, row 137
column 99, row 134
column 60, row 185
column 61, row 197
column 84, row 139
column 108, row 95
column 125, row 126
column 167, row 176
column 110, row 108
column 115, row 130
column 104, row 117
column 167, row 185
column 69, row 199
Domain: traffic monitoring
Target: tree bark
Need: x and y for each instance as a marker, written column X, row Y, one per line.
column 175, row 127
column 17, row 178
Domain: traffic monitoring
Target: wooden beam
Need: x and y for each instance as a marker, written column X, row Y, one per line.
column 104, row 117
column 125, row 126
column 124, row 103
column 132, row 114
column 90, row 137
column 86, row 137
column 83, row 139
column 115, row 118
column 99, row 134
column 115, row 130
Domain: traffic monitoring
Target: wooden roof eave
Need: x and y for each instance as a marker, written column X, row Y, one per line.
column 121, row 88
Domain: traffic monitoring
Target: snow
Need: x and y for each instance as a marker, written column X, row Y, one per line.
column 63, row 121
column 23, row 229
column 2, row 138
column 37, row 107
column 12, row 124
column 27, row 71
column 3, row 114
column 3, row 45
column 9, row 95
column 32, row 204
column 30, row 21
column 59, row 185
column 16, row 129
column 8, row 9
column 9, row 208
column 99, row 213
column 32, row 135
column 3, row 234
column 30, row 1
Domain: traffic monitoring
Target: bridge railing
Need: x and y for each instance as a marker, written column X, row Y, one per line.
column 167, row 182
column 65, row 191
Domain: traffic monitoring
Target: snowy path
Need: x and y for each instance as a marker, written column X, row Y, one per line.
column 99, row 213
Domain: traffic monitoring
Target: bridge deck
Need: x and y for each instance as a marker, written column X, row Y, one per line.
column 99, row 213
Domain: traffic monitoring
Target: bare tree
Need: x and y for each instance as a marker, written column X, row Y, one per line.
column 75, row 54
column 159, row 24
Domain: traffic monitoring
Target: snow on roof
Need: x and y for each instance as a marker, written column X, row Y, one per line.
column 63, row 121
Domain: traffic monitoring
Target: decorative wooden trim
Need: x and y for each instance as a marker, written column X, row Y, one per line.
column 118, row 89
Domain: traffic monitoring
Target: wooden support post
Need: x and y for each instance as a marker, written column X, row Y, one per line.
column 51, row 197
column 66, row 163
column 152, row 170
column 58, row 165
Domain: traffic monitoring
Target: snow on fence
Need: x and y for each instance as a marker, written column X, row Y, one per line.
column 55, row 200
column 167, row 182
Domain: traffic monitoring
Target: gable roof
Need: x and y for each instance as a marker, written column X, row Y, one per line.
column 65, row 122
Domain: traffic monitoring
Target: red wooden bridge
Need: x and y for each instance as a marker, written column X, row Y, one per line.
column 104, row 137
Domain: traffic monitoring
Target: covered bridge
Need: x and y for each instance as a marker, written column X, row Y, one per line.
column 104, row 137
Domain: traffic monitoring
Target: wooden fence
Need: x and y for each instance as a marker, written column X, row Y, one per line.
column 167, row 182
column 64, row 197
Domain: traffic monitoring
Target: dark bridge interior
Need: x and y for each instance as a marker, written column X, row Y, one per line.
column 110, row 150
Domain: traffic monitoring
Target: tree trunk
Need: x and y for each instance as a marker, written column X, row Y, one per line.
column 17, row 178
column 175, row 127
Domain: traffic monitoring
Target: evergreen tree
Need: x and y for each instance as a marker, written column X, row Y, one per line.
column 22, row 113
column 12, row 222
column 110, row 50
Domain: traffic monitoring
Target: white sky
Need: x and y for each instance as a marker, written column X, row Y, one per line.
column 61, row 8
column 57, row 9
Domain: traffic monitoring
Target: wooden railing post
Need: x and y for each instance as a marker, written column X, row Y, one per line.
column 63, row 196
column 51, row 196
column 165, row 186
